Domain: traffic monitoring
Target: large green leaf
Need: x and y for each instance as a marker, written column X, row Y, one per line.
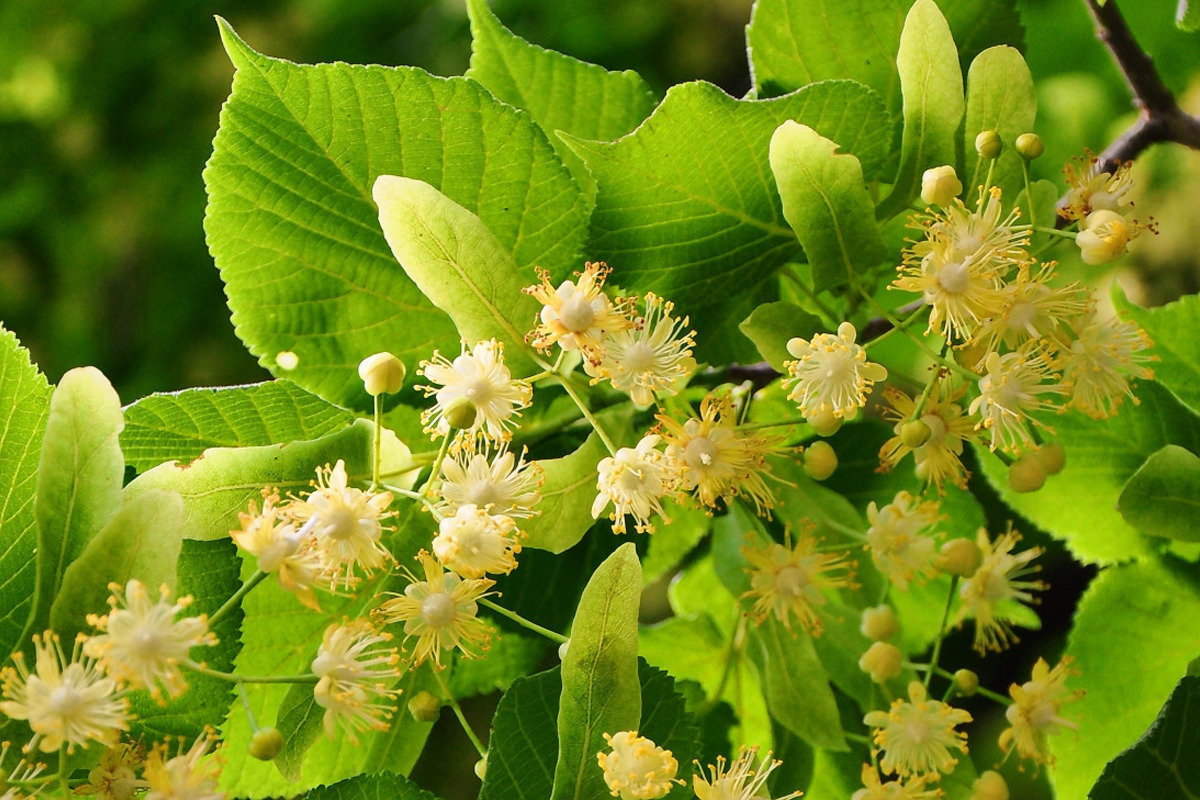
column 179, row 426
column 1172, row 329
column 827, row 205
column 565, row 510
column 771, row 325
column 372, row 787
column 560, row 93
column 79, row 479
column 1079, row 505
column 1134, row 636
column 1187, row 16
column 601, row 693
column 1163, row 497
column 1001, row 98
column 24, row 404
column 294, row 231
column 1162, row 763
column 687, row 207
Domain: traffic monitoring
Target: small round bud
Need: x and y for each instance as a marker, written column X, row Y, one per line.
column 481, row 768
column 1053, row 457
column 966, row 681
column 960, row 557
column 265, row 744
column 990, row 785
column 382, row 373
column 914, row 433
column 882, row 662
column 562, row 650
column 940, row 185
column 1026, row 473
column 820, row 461
column 1030, row 146
column 988, row 144
column 824, row 422
column 879, row 623
column 425, row 706
column 460, row 414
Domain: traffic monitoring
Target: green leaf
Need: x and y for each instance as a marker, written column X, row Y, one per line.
column 1134, row 635
column 803, row 498
column 686, row 206
column 600, row 693
column 1079, row 505
column 1171, row 327
column 666, row 722
column 79, row 479
column 1163, row 496
column 932, row 85
column 141, row 542
column 1001, row 98
column 771, row 325
column 372, row 787
column 293, row 229
column 671, row 543
column 826, row 203
column 1187, row 16
column 181, row 425
column 512, row 655
column 560, row 92
column 566, row 504
column 25, row 400
column 1157, row 765
column 458, row 264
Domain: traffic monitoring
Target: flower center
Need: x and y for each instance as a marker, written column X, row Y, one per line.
column 917, row 731
column 954, row 277
column 438, row 610
column 146, row 643
column 791, row 581
column 1021, row 316
column 639, row 358
column 65, row 701
column 576, row 314
column 340, row 525
column 483, row 494
column 700, row 453
column 478, row 391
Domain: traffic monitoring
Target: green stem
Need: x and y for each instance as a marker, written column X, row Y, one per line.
column 831, row 319
column 883, row 312
column 378, row 441
column 458, row 712
column 903, row 326
column 235, row 599
column 63, row 774
column 920, row 404
column 988, row 693
column 753, row 426
column 246, row 705
column 587, row 413
column 517, row 618
column 231, row 678
column 420, row 498
column 937, row 643
column 437, row 463
column 1053, row 232
column 1028, row 191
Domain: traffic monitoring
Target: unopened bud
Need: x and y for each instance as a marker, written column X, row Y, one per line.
column 960, row 557
column 382, row 373
column 820, row 461
column 879, row 623
column 990, row 785
column 481, row 768
column 966, row 681
column 1030, row 146
column 988, row 144
column 1026, row 473
column 562, row 650
column 825, row 422
column 265, row 744
column 882, row 662
column 425, row 707
column 1053, row 457
column 940, row 185
column 1104, row 238
column 914, row 433
column 460, row 414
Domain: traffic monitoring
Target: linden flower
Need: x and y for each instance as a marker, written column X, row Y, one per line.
column 440, row 612
column 789, row 581
column 187, row 776
column 502, row 485
column 143, row 643
column 1100, row 362
column 939, row 459
column 1035, row 712
column 576, row 315
column 1104, row 237
column 347, row 527
column 832, row 374
column 474, row 542
column 716, row 458
column 637, row 768
column 114, row 778
column 997, row 581
column 897, row 546
column 744, row 778
column 480, row 377
column 281, row 549
column 352, row 673
column 1009, row 393
column 1091, row 190
column 916, row 736
column 654, row 355
column 1032, row 309
column 23, row 772
column 634, row 481
column 874, row 789
column 65, row 701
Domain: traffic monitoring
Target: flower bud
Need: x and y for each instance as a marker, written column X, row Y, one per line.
column 990, row 785
column 425, row 706
column 382, row 373
column 460, row 414
column 882, row 662
column 1104, row 238
column 562, row 650
column 966, row 681
column 1030, row 146
column 1026, row 473
column 481, row 768
column 265, row 744
column 988, row 144
column 879, row 623
column 914, row 433
column 825, row 422
column 960, row 557
column 1053, row 457
column 940, row 185
column 820, row 461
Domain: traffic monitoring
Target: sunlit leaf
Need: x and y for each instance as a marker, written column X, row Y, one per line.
column 1163, row 497
column 1001, row 98
column 771, row 325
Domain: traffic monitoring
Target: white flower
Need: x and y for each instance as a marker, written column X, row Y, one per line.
column 898, row 547
column 504, row 485
column 576, row 315
column 744, row 778
column 1105, row 237
column 474, row 542
column 1009, row 393
column 353, row 671
column 481, row 378
column 637, row 768
column 281, row 549
column 832, row 374
column 187, row 776
column 654, row 356
column 1101, row 361
column 634, row 481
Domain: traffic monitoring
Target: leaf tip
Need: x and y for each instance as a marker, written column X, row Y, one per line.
column 240, row 53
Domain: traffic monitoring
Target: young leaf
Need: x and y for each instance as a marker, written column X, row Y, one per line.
column 932, row 85
column 141, row 541
column 827, row 205
column 1163, row 496
column 294, row 231
column 567, row 494
column 79, row 479
column 1000, row 97
column 1170, row 327
column 181, row 425
column 25, row 400
column 459, row 265
column 686, row 206
column 601, row 693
